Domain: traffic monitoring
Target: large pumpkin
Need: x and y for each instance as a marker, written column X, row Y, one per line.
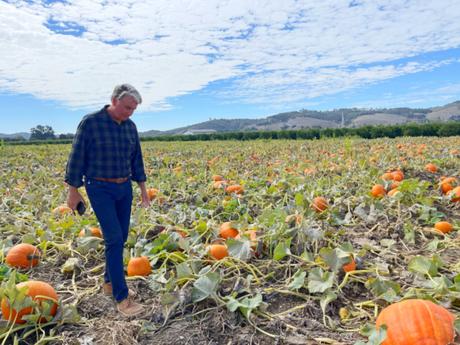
column 417, row 321
column 23, row 255
column 37, row 290
column 139, row 266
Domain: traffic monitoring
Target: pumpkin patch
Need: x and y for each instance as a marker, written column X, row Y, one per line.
column 274, row 241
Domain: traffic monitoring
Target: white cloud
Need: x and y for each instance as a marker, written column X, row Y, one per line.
column 269, row 51
column 415, row 97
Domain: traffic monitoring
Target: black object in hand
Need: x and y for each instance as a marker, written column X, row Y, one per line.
column 81, row 208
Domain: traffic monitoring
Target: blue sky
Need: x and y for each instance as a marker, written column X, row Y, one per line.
column 195, row 60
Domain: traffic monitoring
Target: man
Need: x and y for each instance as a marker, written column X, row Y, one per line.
column 106, row 152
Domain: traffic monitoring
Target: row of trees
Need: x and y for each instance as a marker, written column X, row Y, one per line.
column 444, row 129
column 45, row 134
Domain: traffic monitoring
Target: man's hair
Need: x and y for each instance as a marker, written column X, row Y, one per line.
column 123, row 90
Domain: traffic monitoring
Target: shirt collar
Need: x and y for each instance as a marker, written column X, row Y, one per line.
column 104, row 109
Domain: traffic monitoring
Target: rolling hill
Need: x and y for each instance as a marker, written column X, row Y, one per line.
column 346, row 117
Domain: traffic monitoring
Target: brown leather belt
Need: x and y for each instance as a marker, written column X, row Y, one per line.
column 113, row 180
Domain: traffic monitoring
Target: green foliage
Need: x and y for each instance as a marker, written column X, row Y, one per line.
column 42, row 133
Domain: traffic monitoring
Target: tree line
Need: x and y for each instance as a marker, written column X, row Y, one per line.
column 444, row 129
column 45, row 134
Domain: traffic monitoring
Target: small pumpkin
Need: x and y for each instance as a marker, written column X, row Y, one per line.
column 62, row 210
column 39, row 292
column 388, row 176
column 417, row 321
column 152, row 193
column 454, row 194
column 235, row 188
column 93, row 231
column 139, row 266
column 393, row 192
column 446, row 187
column 430, row 167
column 218, row 251
column 351, row 266
column 444, row 227
column 378, row 191
column 227, row 230
column 23, row 255
column 216, row 178
column 319, row 204
column 397, row 175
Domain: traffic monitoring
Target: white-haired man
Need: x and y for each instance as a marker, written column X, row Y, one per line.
column 105, row 157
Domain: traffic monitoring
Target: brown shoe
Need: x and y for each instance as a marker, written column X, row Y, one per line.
column 107, row 290
column 128, row 307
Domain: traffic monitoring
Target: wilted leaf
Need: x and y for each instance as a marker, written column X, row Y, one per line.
column 240, row 249
column 205, row 286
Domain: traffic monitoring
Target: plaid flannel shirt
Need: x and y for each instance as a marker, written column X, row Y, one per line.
column 104, row 148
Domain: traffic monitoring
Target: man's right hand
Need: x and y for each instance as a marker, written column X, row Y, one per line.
column 74, row 197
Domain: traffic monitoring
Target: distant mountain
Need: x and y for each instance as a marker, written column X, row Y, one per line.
column 346, row 117
column 21, row 135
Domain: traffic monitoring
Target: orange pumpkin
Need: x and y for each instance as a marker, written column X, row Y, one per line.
column 444, row 227
column 430, row 167
column 218, row 251
column 37, row 290
column 319, row 204
column 397, row 175
column 216, row 178
column 454, row 194
column 23, row 255
column 417, row 321
column 139, row 266
column 235, row 188
column 62, row 210
column 446, row 187
column 152, row 193
column 351, row 266
column 447, row 184
column 388, row 176
column 393, row 192
column 94, row 231
column 227, row 230
column 378, row 191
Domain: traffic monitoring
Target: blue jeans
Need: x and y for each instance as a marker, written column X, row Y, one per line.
column 111, row 203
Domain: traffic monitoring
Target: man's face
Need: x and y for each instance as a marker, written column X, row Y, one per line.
column 124, row 108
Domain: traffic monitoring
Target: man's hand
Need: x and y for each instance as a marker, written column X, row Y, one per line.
column 145, row 200
column 73, row 198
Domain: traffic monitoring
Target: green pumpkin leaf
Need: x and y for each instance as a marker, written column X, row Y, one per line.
column 319, row 280
column 282, row 249
column 298, row 280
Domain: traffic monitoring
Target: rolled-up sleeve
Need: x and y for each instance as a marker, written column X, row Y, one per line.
column 137, row 163
column 75, row 168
